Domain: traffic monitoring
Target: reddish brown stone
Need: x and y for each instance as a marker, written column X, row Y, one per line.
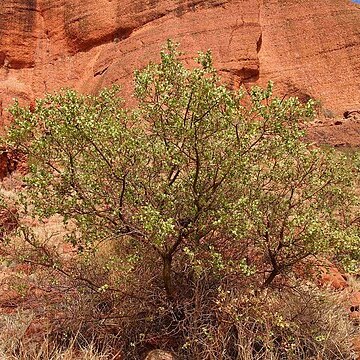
column 330, row 275
column 11, row 161
column 355, row 306
column 9, row 299
column 309, row 48
column 356, row 344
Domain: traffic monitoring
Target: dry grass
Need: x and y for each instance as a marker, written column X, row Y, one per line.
column 16, row 345
column 212, row 323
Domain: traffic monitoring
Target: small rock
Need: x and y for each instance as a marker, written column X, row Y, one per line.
column 159, row 355
column 330, row 275
column 354, row 113
column 355, row 307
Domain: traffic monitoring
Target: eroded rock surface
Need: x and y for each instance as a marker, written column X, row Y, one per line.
column 309, row 48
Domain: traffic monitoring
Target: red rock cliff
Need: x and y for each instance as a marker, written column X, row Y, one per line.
column 309, row 48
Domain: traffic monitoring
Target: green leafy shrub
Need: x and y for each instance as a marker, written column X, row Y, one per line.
column 195, row 185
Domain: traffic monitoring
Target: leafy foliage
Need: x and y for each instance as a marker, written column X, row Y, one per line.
column 195, row 176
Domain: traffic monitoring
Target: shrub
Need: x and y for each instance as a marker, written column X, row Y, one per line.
column 194, row 182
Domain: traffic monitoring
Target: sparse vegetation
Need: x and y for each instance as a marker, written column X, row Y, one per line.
column 189, row 218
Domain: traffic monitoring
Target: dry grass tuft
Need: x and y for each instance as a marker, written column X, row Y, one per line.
column 16, row 345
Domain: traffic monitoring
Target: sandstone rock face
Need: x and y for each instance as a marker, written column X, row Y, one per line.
column 309, row 48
